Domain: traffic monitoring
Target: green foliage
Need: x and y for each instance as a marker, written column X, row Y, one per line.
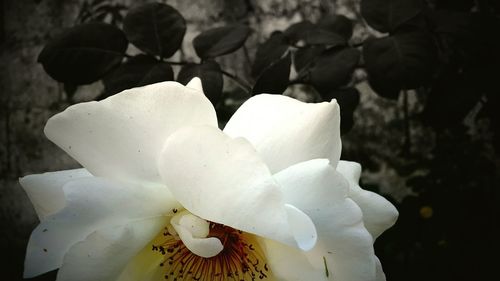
column 402, row 61
column 389, row 15
column 333, row 68
column 439, row 47
column 274, row 78
column 155, row 28
column 220, row 41
column 137, row 71
column 84, row 53
column 269, row 52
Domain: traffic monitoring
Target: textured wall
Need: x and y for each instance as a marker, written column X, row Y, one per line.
column 29, row 97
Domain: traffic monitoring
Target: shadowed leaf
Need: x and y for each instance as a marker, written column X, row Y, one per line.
column 304, row 58
column 155, row 28
column 220, row 41
column 269, row 52
column 274, row 79
column 84, row 54
column 138, row 71
column 307, row 33
column 387, row 15
column 334, row 68
column 338, row 24
column 402, row 61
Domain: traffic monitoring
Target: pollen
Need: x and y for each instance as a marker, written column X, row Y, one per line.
column 241, row 259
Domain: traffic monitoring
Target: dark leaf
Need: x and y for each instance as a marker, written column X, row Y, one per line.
column 334, row 68
column 450, row 22
column 211, row 78
column 469, row 38
column 298, row 31
column 306, row 57
column 402, row 61
column 455, row 5
column 387, row 15
column 155, row 28
column 138, row 71
column 312, row 34
column 452, row 96
column 320, row 36
column 274, row 79
column 269, row 52
column 84, row 54
column 338, row 24
column 384, row 89
column 348, row 100
column 220, row 41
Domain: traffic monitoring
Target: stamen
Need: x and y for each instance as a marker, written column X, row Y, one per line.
column 241, row 259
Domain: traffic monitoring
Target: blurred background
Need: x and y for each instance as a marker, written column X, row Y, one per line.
column 418, row 94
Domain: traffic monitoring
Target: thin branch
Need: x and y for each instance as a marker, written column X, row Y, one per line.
column 247, row 55
column 406, row 116
column 242, row 84
column 357, row 45
column 177, row 62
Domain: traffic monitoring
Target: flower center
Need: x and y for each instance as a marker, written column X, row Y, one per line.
column 241, row 259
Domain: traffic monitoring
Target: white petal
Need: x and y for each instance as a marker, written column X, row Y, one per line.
column 46, row 190
column 198, row 227
column 286, row 131
column 380, row 271
column 223, row 180
column 190, row 230
column 104, row 254
column 195, row 84
column 344, row 248
column 145, row 266
column 289, row 264
column 91, row 204
column 121, row 136
column 378, row 213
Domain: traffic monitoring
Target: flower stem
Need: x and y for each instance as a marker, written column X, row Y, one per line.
column 242, row 84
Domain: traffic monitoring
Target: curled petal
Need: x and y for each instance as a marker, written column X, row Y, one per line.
column 344, row 251
column 223, row 180
column 91, row 204
column 105, row 253
column 378, row 213
column 286, row 131
column 193, row 231
column 46, row 190
column 121, row 137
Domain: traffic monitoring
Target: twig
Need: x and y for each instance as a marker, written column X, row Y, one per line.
column 247, row 55
column 242, row 84
column 407, row 140
column 178, row 62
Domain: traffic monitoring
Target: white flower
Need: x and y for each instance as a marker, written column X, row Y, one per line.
column 165, row 194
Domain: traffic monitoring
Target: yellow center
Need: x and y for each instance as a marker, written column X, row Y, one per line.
column 241, row 259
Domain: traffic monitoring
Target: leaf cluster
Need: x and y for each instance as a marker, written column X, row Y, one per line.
column 446, row 50
column 97, row 50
